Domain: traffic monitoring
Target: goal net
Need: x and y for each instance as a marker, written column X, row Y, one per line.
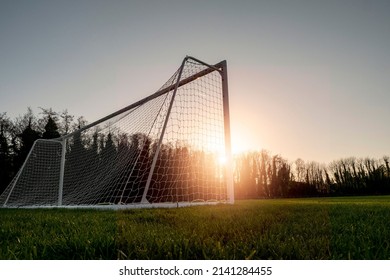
column 171, row 148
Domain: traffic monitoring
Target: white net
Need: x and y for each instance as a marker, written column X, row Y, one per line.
column 165, row 149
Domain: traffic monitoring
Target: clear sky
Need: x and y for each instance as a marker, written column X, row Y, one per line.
column 308, row 79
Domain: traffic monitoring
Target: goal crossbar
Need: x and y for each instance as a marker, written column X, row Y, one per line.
column 211, row 68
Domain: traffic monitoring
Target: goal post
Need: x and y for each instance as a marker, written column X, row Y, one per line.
column 165, row 150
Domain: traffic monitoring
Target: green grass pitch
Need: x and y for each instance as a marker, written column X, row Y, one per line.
column 312, row 228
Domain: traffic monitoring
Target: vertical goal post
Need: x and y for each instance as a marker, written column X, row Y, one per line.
column 161, row 151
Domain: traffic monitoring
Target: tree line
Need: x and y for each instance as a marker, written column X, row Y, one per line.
column 105, row 165
column 257, row 174
column 263, row 175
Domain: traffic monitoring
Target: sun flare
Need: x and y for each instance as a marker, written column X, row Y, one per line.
column 222, row 159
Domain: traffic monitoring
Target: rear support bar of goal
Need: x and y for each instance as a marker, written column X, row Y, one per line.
column 144, row 200
column 222, row 69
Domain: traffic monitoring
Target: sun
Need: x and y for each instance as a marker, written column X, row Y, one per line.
column 222, row 159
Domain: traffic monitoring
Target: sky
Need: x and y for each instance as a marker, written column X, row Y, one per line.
column 307, row 79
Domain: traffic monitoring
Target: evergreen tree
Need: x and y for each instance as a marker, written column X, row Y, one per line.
column 51, row 129
column 27, row 139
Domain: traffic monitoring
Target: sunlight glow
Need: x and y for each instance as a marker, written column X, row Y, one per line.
column 240, row 145
column 244, row 137
column 222, row 159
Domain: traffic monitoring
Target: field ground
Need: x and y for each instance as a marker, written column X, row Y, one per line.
column 312, row 228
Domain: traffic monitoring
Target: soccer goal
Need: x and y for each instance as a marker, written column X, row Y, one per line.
column 169, row 149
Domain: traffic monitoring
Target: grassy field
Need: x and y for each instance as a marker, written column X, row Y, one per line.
column 317, row 228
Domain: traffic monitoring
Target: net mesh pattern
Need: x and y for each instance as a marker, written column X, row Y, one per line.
column 127, row 159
